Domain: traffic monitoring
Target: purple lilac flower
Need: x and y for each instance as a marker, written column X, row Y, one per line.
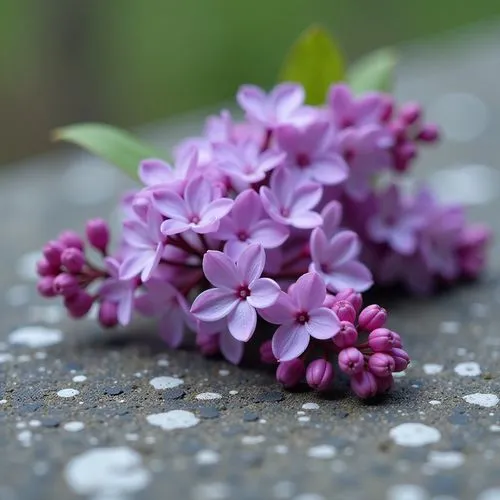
column 290, row 203
column 200, row 210
column 335, row 260
column 396, row 221
column 282, row 105
column 248, row 224
column 301, row 315
column 239, row 290
column 311, row 153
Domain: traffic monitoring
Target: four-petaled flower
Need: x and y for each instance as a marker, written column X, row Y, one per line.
column 247, row 224
column 301, row 315
column 336, row 261
column 200, row 210
column 239, row 290
column 289, row 202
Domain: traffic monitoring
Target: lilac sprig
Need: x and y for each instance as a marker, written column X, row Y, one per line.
column 279, row 220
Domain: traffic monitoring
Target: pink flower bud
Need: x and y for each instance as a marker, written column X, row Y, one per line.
column 351, row 296
column 319, row 374
column 70, row 239
column 52, row 253
column 97, row 231
column 44, row 268
column 381, row 364
column 66, row 285
column 351, row 361
column 387, row 108
column 208, row 344
column 429, row 133
column 344, row 310
column 384, row 384
column 381, row 340
column 401, row 359
column 290, row 373
column 73, row 260
column 329, row 300
column 398, row 130
column 45, row 286
column 78, row 305
column 108, row 314
column 346, row 336
column 410, row 113
column 364, row 384
column 372, row 317
column 266, row 353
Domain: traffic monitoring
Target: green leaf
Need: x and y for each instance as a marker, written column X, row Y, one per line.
column 316, row 62
column 374, row 71
column 114, row 145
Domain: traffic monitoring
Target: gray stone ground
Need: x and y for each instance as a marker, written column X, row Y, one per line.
column 254, row 441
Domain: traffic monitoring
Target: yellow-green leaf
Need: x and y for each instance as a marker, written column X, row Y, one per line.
column 316, row 62
column 374, row 71
column 112, row 144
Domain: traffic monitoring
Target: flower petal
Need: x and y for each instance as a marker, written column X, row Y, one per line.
column 242, row 321
column 173, row 226
column 323, row 323
column 125, row 307
column 171, row 327
column 231, row 348
column 269, row 233
column 152, row 263
column 252, row 100
column 306, row 197
column 282, row 311
column 344, row 247
column 154, row 171
column 319, row 247
column 198, row 195
column 251, row 264
column 285, row 99
column 264, row 293
column 309, row 292
column 306, row 220
column 214, row 304
column 170, row 204
column 352, row 274
column 290, row 341
column 220, row 270
column 134, row 263
column 215, row 210
column 246, row 210
column 330, row 171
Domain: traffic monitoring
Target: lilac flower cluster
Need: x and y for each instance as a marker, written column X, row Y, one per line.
column 279, row 219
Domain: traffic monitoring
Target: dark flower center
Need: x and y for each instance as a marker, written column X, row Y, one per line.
column 242, row 235
column 303, row 160
column 285, row 212
column 243, row 292
column 302, row 317
column 194, row 219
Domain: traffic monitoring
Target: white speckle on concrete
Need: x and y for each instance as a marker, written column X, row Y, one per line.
column 233, row 393
column 40, row 355
column 432, row 368
column 50, row 314
column 162, row 362
column 434, row 402
column 73, row 426
column 310, row 406
column 281, row 449
column 211, row 491
column 174, row 419
column 399, row 374
column 445, row 459
column 23, row 358
column 406, row 492
column 25, row 437
column 131, row 436
column 79, row 378
column 490, row 494
column 224, row 373
column 208, row 395
column 3, row 401
column 253, row 439
column 449, row 327
column 207, row 457
column 111, row 473
column 493, row 428
column 414, row 434
column 35, row 423
column 35, row 336
column 26, row 265
column 323, row 451
column 309, row 496
column 18, row 295
column 468, row 369
column 68, row 393
column 480, row 399
column 165, row 382
column 304, row 419
column 5, row 357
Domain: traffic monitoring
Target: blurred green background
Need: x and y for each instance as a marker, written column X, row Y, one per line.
column 132, row 61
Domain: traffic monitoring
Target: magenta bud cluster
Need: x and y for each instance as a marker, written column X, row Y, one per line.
column 277, row 223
